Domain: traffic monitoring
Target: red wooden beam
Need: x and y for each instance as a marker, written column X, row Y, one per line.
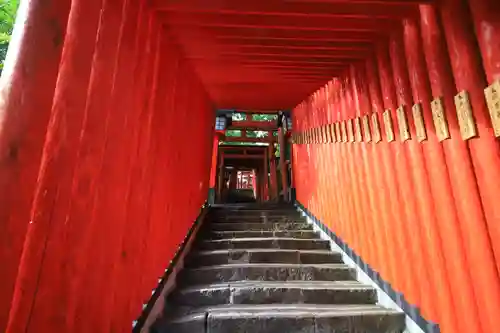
column 270, row 33
column 243, row 156
column 247, row 139
column 276, row 21
column 341, row 8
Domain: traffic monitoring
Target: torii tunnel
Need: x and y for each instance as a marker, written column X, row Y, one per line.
column 388, row 119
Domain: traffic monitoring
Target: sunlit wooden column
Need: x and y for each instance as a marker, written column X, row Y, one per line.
column 27, row 90
column 53, row 193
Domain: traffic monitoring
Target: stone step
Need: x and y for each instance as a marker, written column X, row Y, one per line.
column 272, row 219
column 266, row 272
column 272, row 292
column 265, row 243
column 304, row 234
column 258, row 226
column 283, row 318
column 254, row 256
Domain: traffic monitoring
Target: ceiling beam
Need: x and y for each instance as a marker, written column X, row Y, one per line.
column 257, row 32
column 276, row 22
column 345, row 8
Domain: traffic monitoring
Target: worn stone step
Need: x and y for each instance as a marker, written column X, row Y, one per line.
column 272, row 292
column 304, row 234
column 258, row 226
column 266, row 272
column 253, row 256
column 275, row 219
column 263, row 243
column 278, row 318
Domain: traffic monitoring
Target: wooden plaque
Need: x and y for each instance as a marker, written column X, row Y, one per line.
column 331, row 129
column 366, row 128
column 389, row 128
column 357, row 130
column 350, row 131
column 465, row 116
column 404, row 128
column 439, row 119
column 492, row 94
column 343, row 128
column 418, row 119
column 377, row 137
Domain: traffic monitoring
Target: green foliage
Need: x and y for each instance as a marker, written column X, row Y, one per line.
column 8, row 10
column 264, row 117
column 236, row 133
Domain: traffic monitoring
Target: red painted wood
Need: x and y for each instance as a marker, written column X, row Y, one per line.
column 481, row 241
column 486, row 16
column 460, row 171
column 45, row 272
column 27, row 89
column 213, row 168
column 420, row 207
column 438, row 186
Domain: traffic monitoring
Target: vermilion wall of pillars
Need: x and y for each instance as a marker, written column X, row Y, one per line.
column 399, row 157
column 105, row 151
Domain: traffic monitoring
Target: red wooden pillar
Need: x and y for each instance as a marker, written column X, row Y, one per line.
column 213, row 168
column 282, row 163
column 486, row 16
column 369, row 208
column 439, row 185
column 254, row 185
column 27, row 89
column 54, row 186
column 122, row 275
column 481, row 241
column 484, row 148
column 148, row 277
column 157, row 239
column 274, row 181
column 460, row 169
column 85, row 311
column 265, row 174
column 390, row 200
column 417, row 209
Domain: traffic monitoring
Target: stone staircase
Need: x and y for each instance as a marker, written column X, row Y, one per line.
column 262, row 269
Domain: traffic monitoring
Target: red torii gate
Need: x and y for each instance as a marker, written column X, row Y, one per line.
column 104, row 110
